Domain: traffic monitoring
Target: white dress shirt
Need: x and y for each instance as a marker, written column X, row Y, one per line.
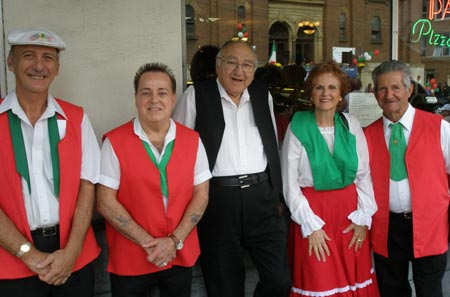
column 241, row 150
column 399, row 191
column 110, row 166
column 296, row 173
column 42, row 206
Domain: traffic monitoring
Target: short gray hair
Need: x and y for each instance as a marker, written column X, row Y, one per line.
column 391, row 66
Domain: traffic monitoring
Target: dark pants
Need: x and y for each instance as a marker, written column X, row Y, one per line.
column 392, row 272
column 173, row 282
column 80, row 283
column 243, row 218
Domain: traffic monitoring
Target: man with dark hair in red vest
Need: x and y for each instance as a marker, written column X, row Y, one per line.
column 153, row 191
column 49, row 163
column 409, row 160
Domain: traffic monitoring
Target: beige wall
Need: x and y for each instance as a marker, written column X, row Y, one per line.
column 107, row 40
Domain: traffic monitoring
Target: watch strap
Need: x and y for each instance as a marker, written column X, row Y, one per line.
column 178, row 242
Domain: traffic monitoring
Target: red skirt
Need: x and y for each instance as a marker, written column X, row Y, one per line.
column 345, row 273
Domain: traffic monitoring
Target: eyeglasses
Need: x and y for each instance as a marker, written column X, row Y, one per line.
column 231, row 65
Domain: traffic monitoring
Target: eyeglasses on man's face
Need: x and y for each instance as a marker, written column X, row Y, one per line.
column 232, row 64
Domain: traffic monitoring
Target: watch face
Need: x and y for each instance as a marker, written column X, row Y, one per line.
column 180, row 245
column 25, row 248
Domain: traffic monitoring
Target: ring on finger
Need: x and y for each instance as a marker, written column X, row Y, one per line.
column 359, row 240
column 164, row 264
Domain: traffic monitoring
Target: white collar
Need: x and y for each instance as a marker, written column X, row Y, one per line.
column 11, row 102
column 406, row 120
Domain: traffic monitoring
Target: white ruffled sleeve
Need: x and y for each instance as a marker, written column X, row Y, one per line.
column 293, row 161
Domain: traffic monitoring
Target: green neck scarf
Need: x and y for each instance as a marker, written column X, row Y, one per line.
column 20, row 153
column 162, row 165
column 330, row 171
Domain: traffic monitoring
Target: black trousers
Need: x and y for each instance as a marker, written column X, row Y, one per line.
column 243, row 218
column 392, row 272
column 173, row 282
column 80, row 283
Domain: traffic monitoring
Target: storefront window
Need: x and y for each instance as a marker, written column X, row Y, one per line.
column 416, row 32
column 424, row 42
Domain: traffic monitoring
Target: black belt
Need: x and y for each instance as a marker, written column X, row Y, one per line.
column 243, row 181
column 407, row 215
column 46, row 231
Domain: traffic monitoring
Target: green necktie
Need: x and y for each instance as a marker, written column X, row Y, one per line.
column 397, row 149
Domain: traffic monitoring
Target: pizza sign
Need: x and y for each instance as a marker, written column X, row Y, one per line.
column 423, row 28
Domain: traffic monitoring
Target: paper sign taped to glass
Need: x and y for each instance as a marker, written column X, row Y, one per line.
column 365, row 107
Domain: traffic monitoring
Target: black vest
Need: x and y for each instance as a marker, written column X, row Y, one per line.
column 210, row 124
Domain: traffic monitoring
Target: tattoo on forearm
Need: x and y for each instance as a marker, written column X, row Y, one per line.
column 123, row 222
column 195, row 218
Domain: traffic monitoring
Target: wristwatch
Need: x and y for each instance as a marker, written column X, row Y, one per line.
column 178, row 242
column 24, row 248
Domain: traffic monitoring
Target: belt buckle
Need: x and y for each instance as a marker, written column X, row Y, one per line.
column 407, row 215
column 49, row 231
column 245, row 181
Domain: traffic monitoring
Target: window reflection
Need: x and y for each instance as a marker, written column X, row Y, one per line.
column 190, row 22
column 375, row 30
column 342, row 27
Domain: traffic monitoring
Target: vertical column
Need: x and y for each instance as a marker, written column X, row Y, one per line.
column 394, row 30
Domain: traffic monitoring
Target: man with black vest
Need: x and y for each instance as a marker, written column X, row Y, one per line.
column 234, row 116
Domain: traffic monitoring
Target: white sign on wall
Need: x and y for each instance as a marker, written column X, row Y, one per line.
column 337, row 53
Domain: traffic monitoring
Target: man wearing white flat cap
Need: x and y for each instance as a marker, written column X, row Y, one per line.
column 49, row 163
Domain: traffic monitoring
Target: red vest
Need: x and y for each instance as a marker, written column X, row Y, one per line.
column 11, row 199
column 140, row 194
column 427, row 180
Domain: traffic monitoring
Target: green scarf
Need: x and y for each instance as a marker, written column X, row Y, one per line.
column 162, row 165
column 20, row 153
column 330, row 171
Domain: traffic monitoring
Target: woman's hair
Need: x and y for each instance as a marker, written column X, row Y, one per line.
column 327, row 67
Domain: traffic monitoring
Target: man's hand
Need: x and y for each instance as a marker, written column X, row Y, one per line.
column 32, row 258
column 160, row 251
column 59, row 266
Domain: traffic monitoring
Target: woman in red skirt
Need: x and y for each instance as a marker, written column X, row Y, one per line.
column 328, row 189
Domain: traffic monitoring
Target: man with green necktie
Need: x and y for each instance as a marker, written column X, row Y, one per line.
column 49, row 163
column 409, row 160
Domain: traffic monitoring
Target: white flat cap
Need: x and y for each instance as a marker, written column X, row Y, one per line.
column 35, row 36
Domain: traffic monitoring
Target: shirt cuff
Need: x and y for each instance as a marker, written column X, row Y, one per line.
column 358, row 217
column 315, row 223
